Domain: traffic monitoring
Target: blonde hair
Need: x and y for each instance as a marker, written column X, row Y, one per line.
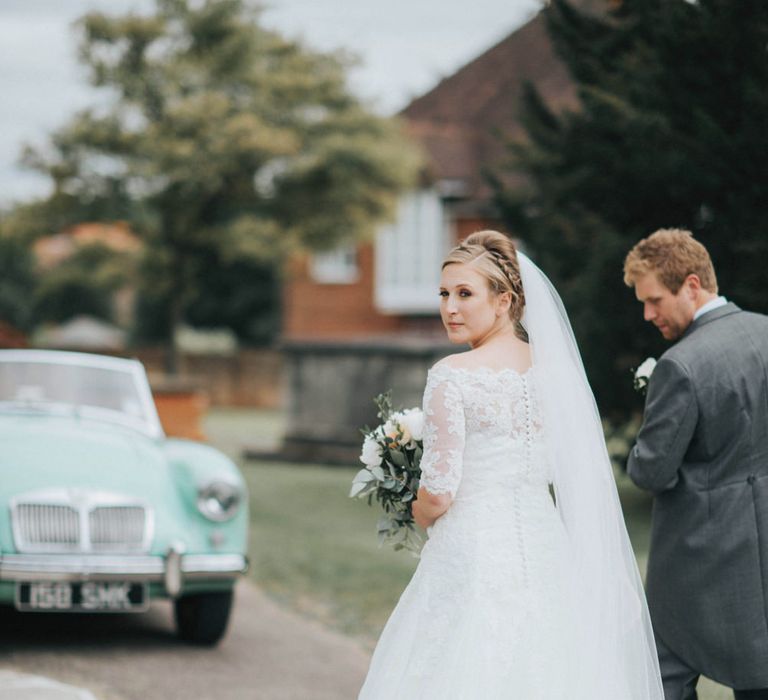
column 672, row 254
column 495, row 257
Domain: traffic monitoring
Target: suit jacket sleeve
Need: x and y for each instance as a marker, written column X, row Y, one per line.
column 671, row 414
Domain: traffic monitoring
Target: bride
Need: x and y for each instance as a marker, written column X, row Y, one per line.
column 527, row 587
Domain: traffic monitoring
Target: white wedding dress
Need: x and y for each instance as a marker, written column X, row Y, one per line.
column 485, row 615
column 517, row 597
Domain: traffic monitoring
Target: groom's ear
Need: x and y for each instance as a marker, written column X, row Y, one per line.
column 693, row 281
column 693, row 284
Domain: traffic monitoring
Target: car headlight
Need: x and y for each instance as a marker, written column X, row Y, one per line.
column 219, row 500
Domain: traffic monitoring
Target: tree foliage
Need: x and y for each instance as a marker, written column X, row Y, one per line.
column 83, row 284
column 670, row 132
column 242, row 295
column 17, row 282
column 220, row 141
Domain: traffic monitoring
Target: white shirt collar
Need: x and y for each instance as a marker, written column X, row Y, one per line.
column 711, row 305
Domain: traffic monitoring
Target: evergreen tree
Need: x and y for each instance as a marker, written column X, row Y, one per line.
column 221, row 141
column 670, row 132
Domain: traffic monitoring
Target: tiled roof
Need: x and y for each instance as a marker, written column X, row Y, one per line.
column 460, row 121
column 51, row 250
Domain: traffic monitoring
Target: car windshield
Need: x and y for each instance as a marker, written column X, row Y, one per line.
column 54, row 386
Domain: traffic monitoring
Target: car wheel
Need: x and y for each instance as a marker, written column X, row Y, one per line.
column 202, row 618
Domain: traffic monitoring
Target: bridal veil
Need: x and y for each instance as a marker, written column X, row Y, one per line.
column 615, row 655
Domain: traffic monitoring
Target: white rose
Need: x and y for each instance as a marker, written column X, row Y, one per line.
column 396, row 426
column 372, row 453
column 412, row 422
column 392, row 426
column 645, row 370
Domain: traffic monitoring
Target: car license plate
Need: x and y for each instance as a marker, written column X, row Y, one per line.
column 82, row 596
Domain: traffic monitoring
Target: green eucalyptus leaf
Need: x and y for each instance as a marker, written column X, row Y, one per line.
column 363, row 476
column 378, row 472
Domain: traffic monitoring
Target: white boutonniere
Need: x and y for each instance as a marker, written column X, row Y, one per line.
column 643, row 375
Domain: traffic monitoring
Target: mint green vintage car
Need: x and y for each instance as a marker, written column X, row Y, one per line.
column 99, row 511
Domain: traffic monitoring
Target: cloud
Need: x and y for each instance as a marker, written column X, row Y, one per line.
column 405, row 48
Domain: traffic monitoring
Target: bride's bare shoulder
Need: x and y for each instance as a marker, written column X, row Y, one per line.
column 458, row 360
column 514, row 356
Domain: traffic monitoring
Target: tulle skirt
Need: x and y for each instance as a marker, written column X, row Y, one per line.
column 488, row 613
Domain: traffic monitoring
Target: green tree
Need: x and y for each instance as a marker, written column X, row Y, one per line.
column 17, row 282
column 670, row 132
column 84, row 283
column 242, row 295
column 220, row 141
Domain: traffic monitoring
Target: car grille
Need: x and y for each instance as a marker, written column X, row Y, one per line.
column 48, row 524
column 49, row 527
column 116, row 526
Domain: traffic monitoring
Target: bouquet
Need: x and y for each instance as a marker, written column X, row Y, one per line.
column 391, row 454
column 643, row 375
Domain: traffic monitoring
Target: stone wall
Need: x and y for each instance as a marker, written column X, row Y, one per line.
column 331, row 386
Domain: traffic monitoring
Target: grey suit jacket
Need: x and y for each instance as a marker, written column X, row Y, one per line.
column 703, row 451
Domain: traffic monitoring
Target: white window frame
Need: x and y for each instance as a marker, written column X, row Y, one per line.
column 337, row 266
column 408, row 253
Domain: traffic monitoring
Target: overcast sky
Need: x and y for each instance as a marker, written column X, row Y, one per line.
column 405, row 47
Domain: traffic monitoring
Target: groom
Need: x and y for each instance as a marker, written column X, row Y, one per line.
column 703, row 451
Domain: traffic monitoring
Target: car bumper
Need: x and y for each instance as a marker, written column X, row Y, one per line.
column 173, row 570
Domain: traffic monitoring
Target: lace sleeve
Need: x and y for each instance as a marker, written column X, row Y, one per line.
column 441, row 464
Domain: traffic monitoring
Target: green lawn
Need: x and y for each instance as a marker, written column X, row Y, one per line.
column 314, row 549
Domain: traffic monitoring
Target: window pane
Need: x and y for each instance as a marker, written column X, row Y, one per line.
column 408, row 255
column 337, row 266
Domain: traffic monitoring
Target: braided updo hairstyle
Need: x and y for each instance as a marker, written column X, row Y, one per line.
column 494, row 255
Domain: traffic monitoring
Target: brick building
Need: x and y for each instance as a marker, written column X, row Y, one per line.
column 364, row 319
column 11, row 337
column 388, row 287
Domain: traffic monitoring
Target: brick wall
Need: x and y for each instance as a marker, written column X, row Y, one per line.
column 465, row 226
column 248, row 378
column 11, row 337
column 314, row 311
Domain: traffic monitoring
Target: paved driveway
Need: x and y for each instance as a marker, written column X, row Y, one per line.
column 268, row 654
